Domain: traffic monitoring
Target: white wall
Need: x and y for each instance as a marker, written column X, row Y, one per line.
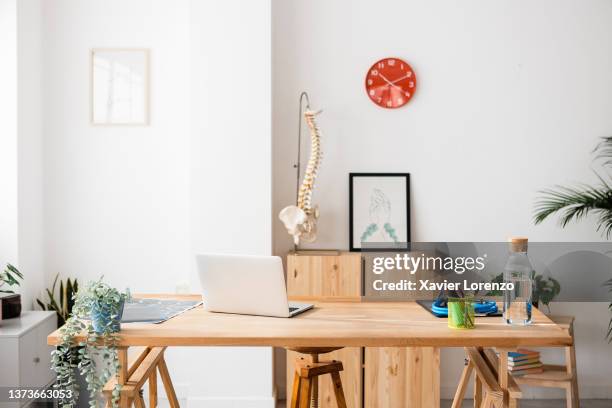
column 30, row 149
column 8, row 132
column 511, row 98
column 231, row 175
column 116, row 198
column 21, row 228
column 136, row 203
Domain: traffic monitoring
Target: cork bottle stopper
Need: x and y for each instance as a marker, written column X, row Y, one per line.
column 518, row 244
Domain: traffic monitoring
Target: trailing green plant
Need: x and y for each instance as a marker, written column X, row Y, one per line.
column 10, row 277
column 90, row 333
column 545, row 288
column 576, row 203
column 66, row 299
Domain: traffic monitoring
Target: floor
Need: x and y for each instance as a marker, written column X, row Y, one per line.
column 526, row 404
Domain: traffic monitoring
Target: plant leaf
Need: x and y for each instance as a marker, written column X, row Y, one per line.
column 575, row 203
column 61, row 296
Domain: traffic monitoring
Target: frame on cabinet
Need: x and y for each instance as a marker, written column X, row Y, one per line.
column 379, row 211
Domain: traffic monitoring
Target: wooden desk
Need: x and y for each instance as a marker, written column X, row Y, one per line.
column 332, row 324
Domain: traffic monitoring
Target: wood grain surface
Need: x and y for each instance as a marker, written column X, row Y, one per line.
column 347, row 324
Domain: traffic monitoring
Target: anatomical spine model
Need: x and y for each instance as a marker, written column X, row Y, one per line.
column 301, row 219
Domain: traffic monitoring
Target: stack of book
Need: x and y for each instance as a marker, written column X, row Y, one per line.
column 524, row 361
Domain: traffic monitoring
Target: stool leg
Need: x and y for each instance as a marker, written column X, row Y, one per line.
column 338, row 391
column 295, row 393
column 304, row 392
column 314, row 399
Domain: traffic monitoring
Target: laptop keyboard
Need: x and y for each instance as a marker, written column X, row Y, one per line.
column 293, row 309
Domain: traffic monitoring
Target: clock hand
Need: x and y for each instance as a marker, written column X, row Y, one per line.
column 399, row 79
column 385, row 79
column 390, row 83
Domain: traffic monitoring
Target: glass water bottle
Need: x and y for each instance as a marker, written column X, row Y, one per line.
column 519, row 272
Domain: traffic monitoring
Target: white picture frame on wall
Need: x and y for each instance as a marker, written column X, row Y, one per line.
column 119, row 86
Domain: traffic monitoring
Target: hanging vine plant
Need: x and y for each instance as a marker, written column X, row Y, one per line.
column 90, row 336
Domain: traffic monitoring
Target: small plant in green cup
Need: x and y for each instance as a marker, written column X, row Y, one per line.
column 461, row 313
column 96, row 314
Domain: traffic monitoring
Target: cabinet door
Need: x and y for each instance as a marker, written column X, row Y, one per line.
column 351, row 377
column 9, row 358
column 327, row 276
column 35, row 355
column 400, row 377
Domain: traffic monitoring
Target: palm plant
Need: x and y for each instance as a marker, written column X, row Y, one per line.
column 576, row 203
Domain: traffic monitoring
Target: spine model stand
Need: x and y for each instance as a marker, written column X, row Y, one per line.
column 301, row 219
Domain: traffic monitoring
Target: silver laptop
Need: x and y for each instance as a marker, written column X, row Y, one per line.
column 245, row 284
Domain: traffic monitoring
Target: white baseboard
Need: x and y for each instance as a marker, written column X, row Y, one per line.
column 215, row 401
column 222, row 402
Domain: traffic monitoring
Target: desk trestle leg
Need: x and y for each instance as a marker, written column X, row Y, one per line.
column 135, row 373
column 494, row 387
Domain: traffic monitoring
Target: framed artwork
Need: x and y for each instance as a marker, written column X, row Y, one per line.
column 119, row 86
column 379, row 211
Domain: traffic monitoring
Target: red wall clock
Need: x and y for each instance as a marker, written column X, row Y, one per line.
column 390, row 83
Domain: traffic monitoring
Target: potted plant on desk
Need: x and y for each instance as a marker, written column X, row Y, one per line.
column 96, row 314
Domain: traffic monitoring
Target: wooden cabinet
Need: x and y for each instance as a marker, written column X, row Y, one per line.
column 392, row 377
column 333, row 276
column 403, row 377
column 337, row 275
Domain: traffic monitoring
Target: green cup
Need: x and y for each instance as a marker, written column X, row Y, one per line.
column 461, row 313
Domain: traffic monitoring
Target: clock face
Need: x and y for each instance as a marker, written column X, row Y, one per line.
column 390, row 83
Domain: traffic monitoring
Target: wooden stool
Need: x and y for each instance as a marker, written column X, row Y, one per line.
column 141, row 369
column 305, row 383
column 559, row 376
